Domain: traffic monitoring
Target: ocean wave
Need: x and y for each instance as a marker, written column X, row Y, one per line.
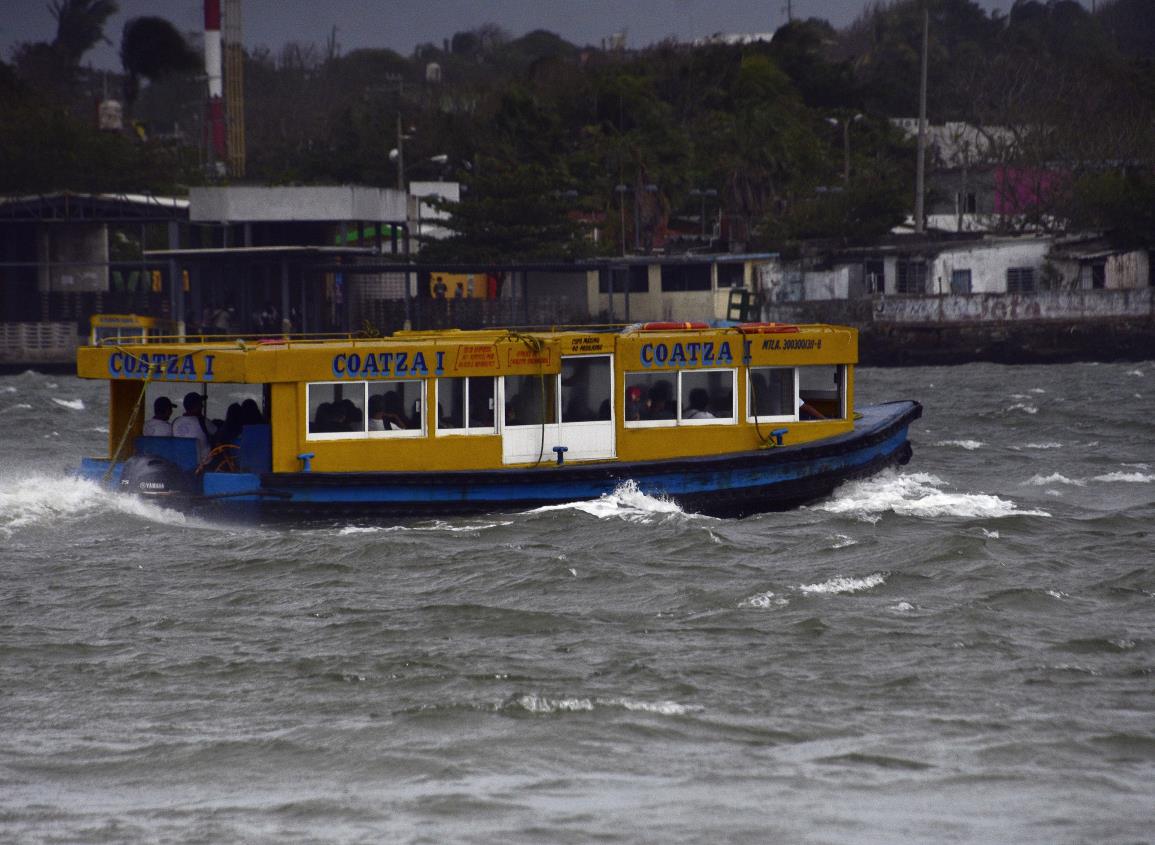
column 844, row 584
column 1126, row 477
column 1050, row 444
column 1054, row 478
column 626, row 502
column 918, row 495
column 20, row 406
column 545, row 705
column 764, row 600
column 71, row 404
column 37, row 500
column 969, row 445
column 1024, row 407
column 438, row 526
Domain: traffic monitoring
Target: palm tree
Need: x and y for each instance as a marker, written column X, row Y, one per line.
column 79, row 26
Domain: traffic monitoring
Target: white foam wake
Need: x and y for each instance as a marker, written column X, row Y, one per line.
column 763, row 600
column 839, row 585
column 45, row 499
column 72, row 404
column 625, row 502
column 919, row 495
column 844, row 584
column 1126, row 477
column 1054, row 478
column 540, row 704
column 969, row 445
column 437, row 526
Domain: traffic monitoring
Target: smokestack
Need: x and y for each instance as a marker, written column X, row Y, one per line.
column 216, row 124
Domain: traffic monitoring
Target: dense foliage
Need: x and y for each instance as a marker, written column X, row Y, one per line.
column 761, row 144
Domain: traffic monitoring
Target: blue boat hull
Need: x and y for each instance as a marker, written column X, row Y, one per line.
column 727, row 485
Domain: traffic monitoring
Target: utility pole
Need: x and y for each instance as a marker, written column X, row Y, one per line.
column 400, row 155
column 920, row 167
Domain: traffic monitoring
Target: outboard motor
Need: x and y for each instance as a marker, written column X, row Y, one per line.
column 151, row 475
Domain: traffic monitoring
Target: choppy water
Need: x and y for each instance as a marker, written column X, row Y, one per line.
column 959, row 652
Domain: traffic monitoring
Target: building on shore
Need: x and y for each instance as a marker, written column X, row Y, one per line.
column 263, row 261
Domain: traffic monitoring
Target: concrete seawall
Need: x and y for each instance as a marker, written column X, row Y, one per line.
column 1049, row 327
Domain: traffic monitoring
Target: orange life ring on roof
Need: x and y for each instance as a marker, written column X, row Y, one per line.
column 767, row 328
column 669, row 326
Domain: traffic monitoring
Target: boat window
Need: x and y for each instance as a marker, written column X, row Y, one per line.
column 530, row 400
column 395, row 407
column 465, row 405
column 651, row 399
column 770, row 394
column 692, row 397
column 336, row 409
column 585, row 388
column 706, row 396
column 822, row 389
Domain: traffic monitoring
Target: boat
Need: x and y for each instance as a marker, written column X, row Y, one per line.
column 723, row 420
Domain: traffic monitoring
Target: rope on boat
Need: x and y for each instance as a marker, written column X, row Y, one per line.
column 115, row 457
column 150, row 368
column 535, row 345
column 768, row 440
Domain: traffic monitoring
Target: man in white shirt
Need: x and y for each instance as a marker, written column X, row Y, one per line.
column 193, row 424
column 159, row 425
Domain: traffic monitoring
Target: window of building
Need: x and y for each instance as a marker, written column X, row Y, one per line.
column 911, row 277
column 731, row 275
column 635, row 276
column 771, row 395
column 967, row 202
column 685, row 277
column 466, row 405
column 823, row 389
column 875, row 272
column 1099, row 275
column 960, row 281
column 1021, row 280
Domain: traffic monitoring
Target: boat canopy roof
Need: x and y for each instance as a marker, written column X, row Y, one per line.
column 453, row 352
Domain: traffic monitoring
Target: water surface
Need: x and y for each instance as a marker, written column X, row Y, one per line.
column 960, row 651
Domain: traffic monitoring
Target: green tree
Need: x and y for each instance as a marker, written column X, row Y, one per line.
column 509, row 212
column 152, row 48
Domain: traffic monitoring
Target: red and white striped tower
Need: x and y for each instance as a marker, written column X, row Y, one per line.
column 216, row 122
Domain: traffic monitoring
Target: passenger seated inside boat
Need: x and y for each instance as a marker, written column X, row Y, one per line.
column 633, row 403
column 659, row 405
column 324, row 420
column 351, row 415
column 230, row 431
column 251, row 413
column 699, row 405
column 376, row 412
column 394, row 410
